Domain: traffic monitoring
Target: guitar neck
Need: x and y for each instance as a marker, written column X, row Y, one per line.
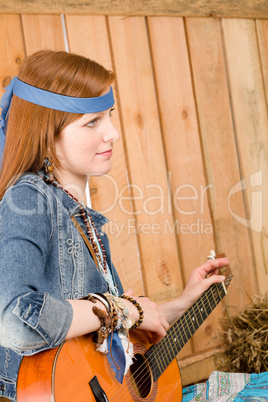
column 162, row 354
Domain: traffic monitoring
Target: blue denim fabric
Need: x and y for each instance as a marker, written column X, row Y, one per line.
column 43, row 262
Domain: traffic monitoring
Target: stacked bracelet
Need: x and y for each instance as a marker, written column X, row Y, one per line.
column 114, row 318
column 138, row 306
column 108, row 317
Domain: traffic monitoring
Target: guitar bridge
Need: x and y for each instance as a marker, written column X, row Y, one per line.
column 98, row 392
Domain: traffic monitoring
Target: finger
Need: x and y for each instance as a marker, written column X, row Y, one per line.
column 158, row 335
column 164, row 322
column 212, row 265
column 214, row 279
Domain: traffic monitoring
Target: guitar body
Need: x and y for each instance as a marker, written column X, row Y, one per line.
column 63, row 375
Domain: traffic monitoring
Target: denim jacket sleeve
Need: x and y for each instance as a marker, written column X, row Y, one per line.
column 31, row 319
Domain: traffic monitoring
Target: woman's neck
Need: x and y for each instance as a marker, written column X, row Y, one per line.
column 74, row 185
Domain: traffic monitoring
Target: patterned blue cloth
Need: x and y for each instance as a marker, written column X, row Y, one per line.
column 256, row 390
column 229, row 387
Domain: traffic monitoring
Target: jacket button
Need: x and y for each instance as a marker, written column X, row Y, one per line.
column 2, row 387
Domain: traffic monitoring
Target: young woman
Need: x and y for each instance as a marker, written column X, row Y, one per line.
column 56, row 132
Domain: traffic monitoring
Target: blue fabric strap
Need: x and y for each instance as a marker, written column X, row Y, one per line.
column 118, row 354
column 49, row 100
column 62, row 102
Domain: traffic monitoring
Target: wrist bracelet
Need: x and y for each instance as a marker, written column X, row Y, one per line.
column 93, row 297
column 108, row 317
column 138, row 306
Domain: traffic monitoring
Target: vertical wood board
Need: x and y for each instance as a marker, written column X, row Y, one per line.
column 220, row 154
column 42, row 32
column 194, row 227
column 145, row 156
column 12, row 49
column 262, row 32
column 251, row 123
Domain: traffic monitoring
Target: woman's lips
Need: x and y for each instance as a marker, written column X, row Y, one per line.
column 107, row 153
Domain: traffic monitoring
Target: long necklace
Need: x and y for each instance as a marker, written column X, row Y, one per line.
column 94, row 239
column 99, row 250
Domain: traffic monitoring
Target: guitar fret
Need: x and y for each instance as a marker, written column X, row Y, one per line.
column 166, row 360
column 161, row 355
column 186, row 336
column 169, row 348
column 183, row 336
column 177, row 343
column 193, row 322
column 210, row 308
column 176, row 339
column 187, row 322
column 195, row 319
column 202, row 310
column 198, row 314
column 214, row 298
column 161, row 361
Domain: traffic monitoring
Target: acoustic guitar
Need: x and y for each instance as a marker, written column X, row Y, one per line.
column 76, row 372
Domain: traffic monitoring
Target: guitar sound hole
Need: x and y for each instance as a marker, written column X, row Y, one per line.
column 140, row 376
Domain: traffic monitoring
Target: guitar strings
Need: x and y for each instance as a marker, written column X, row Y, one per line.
column 142, row 367
column 126, row 390
column 173, row 332
column 166, row 341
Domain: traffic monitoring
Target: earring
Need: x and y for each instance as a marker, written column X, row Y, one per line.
column 49, row 167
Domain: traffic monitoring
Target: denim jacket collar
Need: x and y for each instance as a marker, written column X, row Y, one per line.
column 70, row 204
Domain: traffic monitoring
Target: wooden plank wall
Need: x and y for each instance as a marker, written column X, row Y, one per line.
column 190, row 171
column 196, row 8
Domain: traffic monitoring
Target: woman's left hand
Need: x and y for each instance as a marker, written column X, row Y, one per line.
column 199, row 281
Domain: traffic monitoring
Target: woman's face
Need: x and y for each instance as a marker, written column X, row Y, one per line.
column 85, row 146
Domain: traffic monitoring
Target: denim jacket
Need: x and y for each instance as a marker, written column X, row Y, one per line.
column 43, row 262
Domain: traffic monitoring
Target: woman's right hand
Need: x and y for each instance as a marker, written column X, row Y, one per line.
column 154, row 320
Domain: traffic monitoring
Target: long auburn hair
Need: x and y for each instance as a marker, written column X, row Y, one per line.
column 32, row 129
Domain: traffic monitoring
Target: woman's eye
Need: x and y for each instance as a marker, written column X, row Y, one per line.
column 92, row 123
column 111, row 111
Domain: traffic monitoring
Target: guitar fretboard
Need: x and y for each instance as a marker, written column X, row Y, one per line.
column 162, row 354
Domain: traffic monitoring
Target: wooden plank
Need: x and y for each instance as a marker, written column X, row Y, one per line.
column 197, row 368
column 147, row 167
column 12, row 51
column 42, row 32
column 105, row 190
column 262, row 31
column 197, row 8
column 194, row 227
column 251, row 124
column 220, row 155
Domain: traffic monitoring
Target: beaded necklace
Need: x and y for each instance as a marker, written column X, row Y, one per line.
column 94, row 239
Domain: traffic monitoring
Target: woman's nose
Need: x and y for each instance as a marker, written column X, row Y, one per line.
column 112, row 133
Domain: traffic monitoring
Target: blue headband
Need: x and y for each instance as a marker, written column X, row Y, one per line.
column 49, row 100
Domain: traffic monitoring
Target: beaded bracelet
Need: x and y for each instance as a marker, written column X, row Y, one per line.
column 124, row 318
column 108, row 317
column 138, row 306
